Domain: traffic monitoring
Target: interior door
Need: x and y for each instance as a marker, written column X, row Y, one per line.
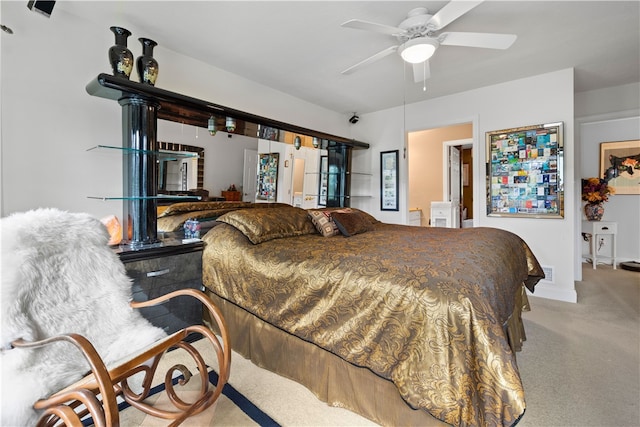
column 454, row 174
column 304, row 182
column 311, row 179
column 250, row 176
column 455, row 183
column 297, row 181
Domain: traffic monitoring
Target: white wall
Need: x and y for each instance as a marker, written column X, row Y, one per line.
column 540, row 99
column 617, row 99
column 49, row 121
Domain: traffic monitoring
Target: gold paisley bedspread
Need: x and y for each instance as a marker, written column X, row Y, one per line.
column 422, row 307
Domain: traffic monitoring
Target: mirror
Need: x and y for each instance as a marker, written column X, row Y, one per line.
column 297, row 170
column 180, row 169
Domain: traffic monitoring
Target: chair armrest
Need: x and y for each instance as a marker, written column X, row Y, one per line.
column 224, row 352
column 106, row 416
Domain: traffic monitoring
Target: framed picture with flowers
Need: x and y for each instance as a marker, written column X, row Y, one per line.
column 525, row 171
column 620, row 166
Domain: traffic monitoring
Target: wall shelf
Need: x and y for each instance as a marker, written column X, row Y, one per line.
column 162, row 155
column 156, row 197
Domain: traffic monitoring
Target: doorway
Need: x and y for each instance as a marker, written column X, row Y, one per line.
column 458, row 178
column 428, row 168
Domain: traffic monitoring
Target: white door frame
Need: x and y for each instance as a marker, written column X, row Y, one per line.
column 250, row 175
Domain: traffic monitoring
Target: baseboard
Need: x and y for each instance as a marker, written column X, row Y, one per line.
column 552, row 291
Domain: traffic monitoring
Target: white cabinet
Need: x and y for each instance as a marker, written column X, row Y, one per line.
column 414, row 217
column 445, row 214
column 598, row 229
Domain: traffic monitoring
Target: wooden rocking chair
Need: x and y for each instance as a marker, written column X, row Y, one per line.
column 68, row 318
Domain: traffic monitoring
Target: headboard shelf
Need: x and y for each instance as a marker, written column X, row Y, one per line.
column 182, row 108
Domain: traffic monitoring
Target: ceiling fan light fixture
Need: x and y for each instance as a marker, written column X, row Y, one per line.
column 418, row 50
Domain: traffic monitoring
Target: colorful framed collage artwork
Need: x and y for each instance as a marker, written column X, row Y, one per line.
column 525, row 171
column 268, row 176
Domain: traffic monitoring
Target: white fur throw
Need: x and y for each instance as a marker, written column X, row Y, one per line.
column 59, row 276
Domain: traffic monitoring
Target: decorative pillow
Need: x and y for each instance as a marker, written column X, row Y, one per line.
column 263, row 224
column 323, row 223
column 370, row 217
column 350, row 223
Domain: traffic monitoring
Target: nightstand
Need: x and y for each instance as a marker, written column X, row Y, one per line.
column 160, row 270
column 232, row 196
column 601, row 228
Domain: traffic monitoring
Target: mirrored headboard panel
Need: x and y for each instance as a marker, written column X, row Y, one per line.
column 166, row 184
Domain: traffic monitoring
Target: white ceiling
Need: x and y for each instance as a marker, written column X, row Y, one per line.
column 299, row 47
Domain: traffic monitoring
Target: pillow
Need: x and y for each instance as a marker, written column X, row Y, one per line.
column 350, row 223
column 263, row 224
column 322, row 221
column 370, row 217
column 182, row 207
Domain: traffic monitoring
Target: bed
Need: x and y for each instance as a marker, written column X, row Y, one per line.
column 403, row 325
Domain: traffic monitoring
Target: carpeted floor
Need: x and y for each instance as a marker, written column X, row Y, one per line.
column 580, row 367
column 581, row 363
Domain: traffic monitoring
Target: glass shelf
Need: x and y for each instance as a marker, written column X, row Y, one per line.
column 158, row 197
column 339, row 173
column 342, row 197
column 164, row 155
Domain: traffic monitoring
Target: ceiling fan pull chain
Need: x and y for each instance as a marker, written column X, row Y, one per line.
column 424, row 76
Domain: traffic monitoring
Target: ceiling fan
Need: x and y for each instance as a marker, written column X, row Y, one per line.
column 419, row 36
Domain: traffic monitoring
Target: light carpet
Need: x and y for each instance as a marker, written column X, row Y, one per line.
column 580, row 366
column 285, row 401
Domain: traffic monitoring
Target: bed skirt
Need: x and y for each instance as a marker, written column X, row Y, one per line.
column 327, row 376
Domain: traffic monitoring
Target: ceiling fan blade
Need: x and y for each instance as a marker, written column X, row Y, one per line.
column 372, row 26
column 421, row 72
column 486, row 40
column 373, row 58
column 450, row 12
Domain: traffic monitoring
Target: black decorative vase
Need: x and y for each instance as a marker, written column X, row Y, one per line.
column 147, row 66
column 120, row 57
